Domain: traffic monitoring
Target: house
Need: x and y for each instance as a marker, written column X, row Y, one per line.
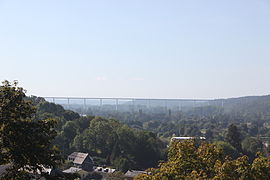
column 81, row 160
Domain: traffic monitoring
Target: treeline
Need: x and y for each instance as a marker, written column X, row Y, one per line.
column 107, row 140
column 87, row 134
column 34, row 133
column 212, row 122
column 254, row 114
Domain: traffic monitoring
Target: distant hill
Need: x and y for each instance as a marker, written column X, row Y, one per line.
column 259, row 105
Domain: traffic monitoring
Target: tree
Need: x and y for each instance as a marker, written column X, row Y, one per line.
column 101, row 136
column 188, row 161
column 209, row 134
column 227, row 149
column 234, row 137
column 252, row 145
column 116, row 176
column 25, row 143
column 69, row 132
column 93, row 175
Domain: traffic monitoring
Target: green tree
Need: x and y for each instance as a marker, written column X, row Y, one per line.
column 116, row 176
column 69, row 131
column 252, row 145
column 25, row 143
column 188, row 161
column 227, row 149
column 234, row 137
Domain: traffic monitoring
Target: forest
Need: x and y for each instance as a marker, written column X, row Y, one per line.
column 36, row 133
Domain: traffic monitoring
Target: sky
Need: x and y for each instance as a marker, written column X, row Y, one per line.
column 136, row 48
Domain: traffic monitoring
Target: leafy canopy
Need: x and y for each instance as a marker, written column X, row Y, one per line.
column 25, row 143
column 187, row 160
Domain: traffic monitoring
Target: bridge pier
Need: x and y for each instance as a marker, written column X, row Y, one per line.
column 148, row 103
column 68, row 103
column 100, row 103
column 116, row 104
column 84, row 105
column 133, row 105
column 179, row 106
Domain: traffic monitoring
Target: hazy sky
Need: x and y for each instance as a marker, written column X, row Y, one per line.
column 137, row 48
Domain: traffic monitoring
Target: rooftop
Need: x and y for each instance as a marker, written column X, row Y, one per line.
column 78, row 157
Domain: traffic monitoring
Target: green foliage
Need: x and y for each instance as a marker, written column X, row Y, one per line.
column 25, row 143
column 132, row 146
column 120, row 145
column 69, row 131
column 227, row 149
column 127, row 148
column 234, row 137
column 123, row 164
column 187, row 161
column 116, row 176
column 261, row 167
column 92, row 176
column 107, row 140
column 252, row 145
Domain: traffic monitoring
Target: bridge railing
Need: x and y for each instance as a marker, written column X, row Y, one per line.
column 131, row 104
